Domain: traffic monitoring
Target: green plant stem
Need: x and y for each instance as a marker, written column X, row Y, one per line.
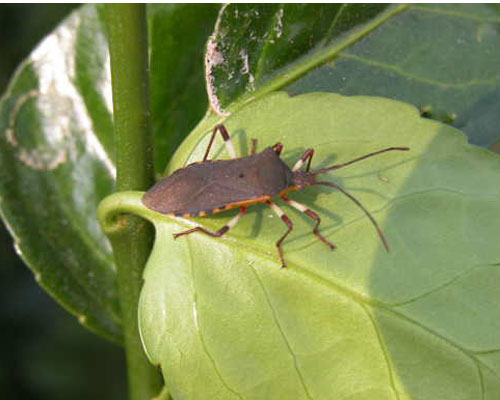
column 127, row 36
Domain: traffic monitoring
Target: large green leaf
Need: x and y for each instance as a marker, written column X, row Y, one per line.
column 420, row 322
column 441, row 58
column 57, row 151
column 57, row 163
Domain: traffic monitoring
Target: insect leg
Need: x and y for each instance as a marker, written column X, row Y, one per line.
column 313, row 215
column 227, row 140
column 253, row 150
column 288, row 223
column 220, row 232
column 308, row 154
column 278, row 147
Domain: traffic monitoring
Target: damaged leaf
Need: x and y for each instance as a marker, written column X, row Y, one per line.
column 442, row 58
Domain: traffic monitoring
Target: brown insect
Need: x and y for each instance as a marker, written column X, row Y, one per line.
column 213, row 186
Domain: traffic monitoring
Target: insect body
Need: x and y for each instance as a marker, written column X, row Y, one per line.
column 213, row 186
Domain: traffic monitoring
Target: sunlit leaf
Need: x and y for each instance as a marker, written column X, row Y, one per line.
column 221, row 318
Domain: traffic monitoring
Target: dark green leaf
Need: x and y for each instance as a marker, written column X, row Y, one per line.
column 178, row 35
column 56, row 165
column 419, row 322
column 57, row 151
column 441, row 58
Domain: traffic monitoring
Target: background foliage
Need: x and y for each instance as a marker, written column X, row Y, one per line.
column 45, row 353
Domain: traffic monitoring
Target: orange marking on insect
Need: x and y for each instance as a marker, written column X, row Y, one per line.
column 288, row 190
column 244, row 203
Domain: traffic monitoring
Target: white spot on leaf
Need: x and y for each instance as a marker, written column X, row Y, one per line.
column 245, row 69
column 213, row 58
column 63, row 118
column 279, row 24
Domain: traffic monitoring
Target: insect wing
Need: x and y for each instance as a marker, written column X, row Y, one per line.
column 198, row 187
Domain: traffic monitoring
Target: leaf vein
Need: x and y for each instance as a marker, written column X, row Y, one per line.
column 329, row 230
column 443, row 85
column 198, row 326
column 466, row 352
column 436, row 289
column 486, row 352
column 365, row 300
column 309, row 63
column 436, row 10
column 329, row 33
column 273, row 22
column 282, row 333
column 383, row 349
column 481, row 381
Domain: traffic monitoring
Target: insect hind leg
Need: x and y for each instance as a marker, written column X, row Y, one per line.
column 288, row 223
column 220, row 232
column 253, row 149
column 227, row 140
column 313, row 215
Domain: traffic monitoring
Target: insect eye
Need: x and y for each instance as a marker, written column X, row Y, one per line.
column 241, row 175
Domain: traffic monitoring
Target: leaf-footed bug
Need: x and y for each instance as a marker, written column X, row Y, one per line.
column 213, row 186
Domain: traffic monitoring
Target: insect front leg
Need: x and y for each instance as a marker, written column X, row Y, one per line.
column 308, row 155
column 313, row 215
column 220, row 232
column 278, row 148
column 279, row 212
column 227, row 140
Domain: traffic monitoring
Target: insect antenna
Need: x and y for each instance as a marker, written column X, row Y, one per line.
column 357, row 202
column 310, row 180
column 338, row 166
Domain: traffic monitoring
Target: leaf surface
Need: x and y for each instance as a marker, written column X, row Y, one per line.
column 222, row 319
